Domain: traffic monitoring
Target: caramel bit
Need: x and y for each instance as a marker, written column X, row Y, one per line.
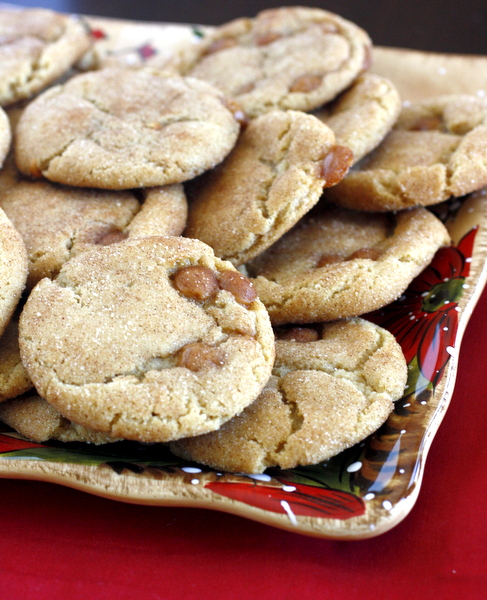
column 371, row 253
column 299, row 334
column 238, row 114
column 34, row 170
column 267, row 38
column 222, row 44
column 238, row 285
column 306, row 83
column 427, row 123
column 328, row 259
column 112, row 236
column 196, row 282
column 199, row 356
column 336, row 164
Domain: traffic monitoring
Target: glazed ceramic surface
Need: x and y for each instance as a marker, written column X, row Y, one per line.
column 372, row 486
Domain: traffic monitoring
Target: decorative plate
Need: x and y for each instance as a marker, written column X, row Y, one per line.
column 372, row 486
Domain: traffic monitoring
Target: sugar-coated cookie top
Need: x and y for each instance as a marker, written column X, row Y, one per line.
column 149, row 339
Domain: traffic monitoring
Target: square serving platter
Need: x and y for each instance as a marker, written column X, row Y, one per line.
column 372, row 486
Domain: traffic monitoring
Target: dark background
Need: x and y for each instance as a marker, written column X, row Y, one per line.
column 436, row 25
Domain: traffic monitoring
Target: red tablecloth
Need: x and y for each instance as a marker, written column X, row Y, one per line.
column 60, row 543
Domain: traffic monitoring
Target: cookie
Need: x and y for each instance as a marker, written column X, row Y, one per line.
column 37, row 420
column 273, row 176
column 5, row 135
column 364, row 114
column 324, row 396
column 37, row 46
column 340, row 263
column 150, row 339
column 125, row 128
column 437, row 149
column 14, row 380
column 13, row 269
column 58, row 222
column 285, row 58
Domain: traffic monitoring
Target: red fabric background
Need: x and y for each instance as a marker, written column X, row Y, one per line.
column 60, row 543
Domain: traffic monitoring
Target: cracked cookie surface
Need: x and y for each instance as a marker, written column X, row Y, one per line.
column 274, row 175
column 436, row 150
column 340, row 263
column 149, row 339
column 362, row 116
column 124, row 128
column 58, row 222
column 287, row 58
column 323, row 397
column 37, row 46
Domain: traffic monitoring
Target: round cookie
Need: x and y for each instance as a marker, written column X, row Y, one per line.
column 340, row 263
column 363, row 115
column 37, row 420
column 13, row 269
column 150, row 339
column 37, row 46
column 285, row 58
column 5, row 135
column 125, row 128
column 324, row 396
column 14, row 380
column 437, row 149
column 274, row 175
column 58, row 222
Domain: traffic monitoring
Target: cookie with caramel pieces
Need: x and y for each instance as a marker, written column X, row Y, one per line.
column 275, row 174
column 149, row 339
column 328, row 391
column 340, row 263
column 436, row 150
column 285, row 58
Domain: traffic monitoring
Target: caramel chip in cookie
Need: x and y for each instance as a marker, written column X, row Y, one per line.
column 364, row 114
column 122, row 129
column 340, row 263
column 37, row 46
column 37, row 420
column 285, row 58
column 437, row 149
column 58, row 222
column 13, row 269
column 5, row 136
column 150, row 339
column 323, row 397
column 274, row 175
column 14, row 380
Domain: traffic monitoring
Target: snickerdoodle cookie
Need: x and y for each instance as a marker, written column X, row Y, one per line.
column 14, row 380
column 287, row 58
column 437, row 149
column 274, row 175
column 340, row 263
column 37, row 46
column 328, row 391
column 150, row 339
column 124, row 128
column 37, row 420
column 363, row 115
column 58, row 222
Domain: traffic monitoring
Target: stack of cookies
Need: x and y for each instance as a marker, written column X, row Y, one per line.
column 187, row 252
